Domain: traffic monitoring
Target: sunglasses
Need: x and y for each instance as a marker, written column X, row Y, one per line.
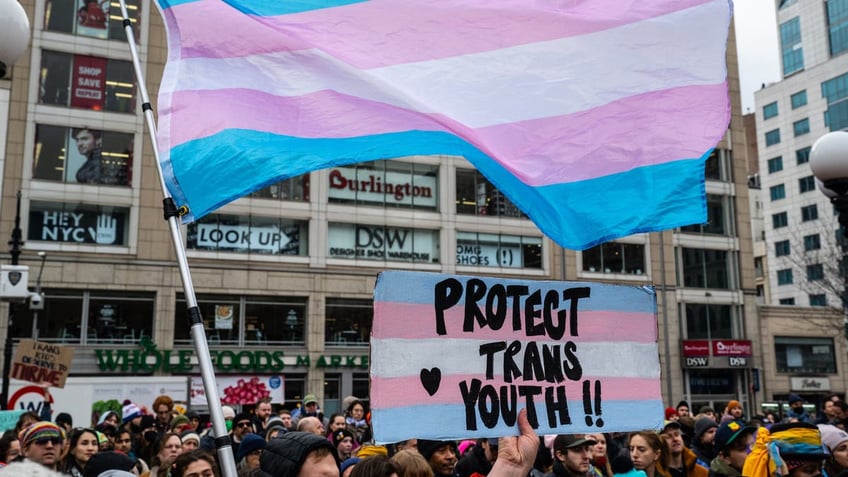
column 243, row 424
column 45, row 440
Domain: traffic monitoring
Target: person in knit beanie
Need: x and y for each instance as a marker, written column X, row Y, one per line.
column 42, row 443
column 702, row 442
column 836, row 442
column 441, row 455
column 733, row 412
column 791, row 449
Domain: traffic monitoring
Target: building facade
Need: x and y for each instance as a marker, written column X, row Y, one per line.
column 801, row 251
column 284, row 277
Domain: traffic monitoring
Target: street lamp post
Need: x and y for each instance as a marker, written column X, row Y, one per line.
column 15, row 247
column 14, row 33
column 829, row 163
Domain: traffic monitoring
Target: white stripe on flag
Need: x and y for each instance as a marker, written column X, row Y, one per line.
column 391, row 358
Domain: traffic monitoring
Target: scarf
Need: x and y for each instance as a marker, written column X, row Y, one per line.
column 353, row 422
column 766, row 460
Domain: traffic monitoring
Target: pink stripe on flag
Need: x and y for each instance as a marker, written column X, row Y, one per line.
column 593, row 326
column 408, row 391
column 398, row 29
column 647, row 129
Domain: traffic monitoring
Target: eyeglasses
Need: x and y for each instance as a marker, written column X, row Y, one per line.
column 45, row 440
column 243, row 424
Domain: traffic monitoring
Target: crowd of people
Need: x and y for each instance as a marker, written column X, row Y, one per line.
column 305, row 443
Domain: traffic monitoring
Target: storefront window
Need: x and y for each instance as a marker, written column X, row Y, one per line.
column 82, row 155
column 92, row 18
column 712, row 381
column 804, row 355
column 78, row 223
column 348, row 321
column 295, row 390
column 494, row 250
column 246, row 320
column 123, row 317
column 386, row 184
column 615, row 257
column 705, row 321
column 332, row 393
column 249, row 234
column 361, row 388
column 87, row 82
column 379, row 243
column 475, row 195
column 705, row 268
column 295, row 189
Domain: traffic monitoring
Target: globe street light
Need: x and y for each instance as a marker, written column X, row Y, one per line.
column 829, row 163
column 14, row 33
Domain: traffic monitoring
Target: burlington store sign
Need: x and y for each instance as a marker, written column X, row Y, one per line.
column 148, row 359
column 717, row 353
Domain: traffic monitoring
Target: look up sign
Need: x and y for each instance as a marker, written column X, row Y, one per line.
column 459, row 356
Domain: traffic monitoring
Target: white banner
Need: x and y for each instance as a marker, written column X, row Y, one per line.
column 240, row 389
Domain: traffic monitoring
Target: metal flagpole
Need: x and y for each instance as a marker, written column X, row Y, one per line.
column 223, row 445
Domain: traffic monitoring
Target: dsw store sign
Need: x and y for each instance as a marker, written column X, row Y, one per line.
column 383, row 243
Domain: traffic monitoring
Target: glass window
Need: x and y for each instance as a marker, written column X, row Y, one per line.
column 777, row 192
column 380, row 243
column 818, row 300
column 475, row 195
column 92, row 18
column 784, row 276
column 348, row 321
column 812, row 242
column 773, row 137
column 386, row 184
column 806, row 184
column 249, row 234
column 712, row 381
column 717, row 166
column 786, row 3
column 799, row 99
column 246, row 320
column 296, row 189
column 89, row 317
column 705, row 321
column 78, row 223
column 779, row 220
column 781, row 248
column 790, row 46
column 835, row 91
column 804, row 355
column 837, row 25
column 332, row 393
column 82, row 155
column 787, row 301
column 775, row 164
column 87, row 82
column 803, row 155
column 717, row 215
column 815, row 272
column 706, row 268
column 295, row 390
column 770, row 110
column 361, row 387
column 494, row 250
column 615, row 257
column 810, row 212
column 801, row 127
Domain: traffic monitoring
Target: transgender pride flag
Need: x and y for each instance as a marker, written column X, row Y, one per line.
column 594, row 116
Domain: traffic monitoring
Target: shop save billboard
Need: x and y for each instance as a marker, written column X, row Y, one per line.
column 460, row 356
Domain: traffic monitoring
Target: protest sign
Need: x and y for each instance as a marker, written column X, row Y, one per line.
column 41, row 363
column 9, row 419
column 458, row 356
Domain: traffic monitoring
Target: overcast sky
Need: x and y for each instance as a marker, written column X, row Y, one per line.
column 756, row 42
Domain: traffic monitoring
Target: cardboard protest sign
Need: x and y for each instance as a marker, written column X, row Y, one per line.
column 40, row 363
column 458, row 356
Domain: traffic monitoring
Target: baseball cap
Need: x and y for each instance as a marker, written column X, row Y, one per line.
column 670, row 425
column 570, row 441
column 728, row 432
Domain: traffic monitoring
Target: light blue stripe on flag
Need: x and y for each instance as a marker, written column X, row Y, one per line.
column 217, row 169
column 429, row 420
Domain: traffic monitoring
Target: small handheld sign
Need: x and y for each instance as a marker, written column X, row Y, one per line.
column 459, row 356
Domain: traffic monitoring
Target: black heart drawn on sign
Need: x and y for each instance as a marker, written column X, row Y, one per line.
column 431, row 379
